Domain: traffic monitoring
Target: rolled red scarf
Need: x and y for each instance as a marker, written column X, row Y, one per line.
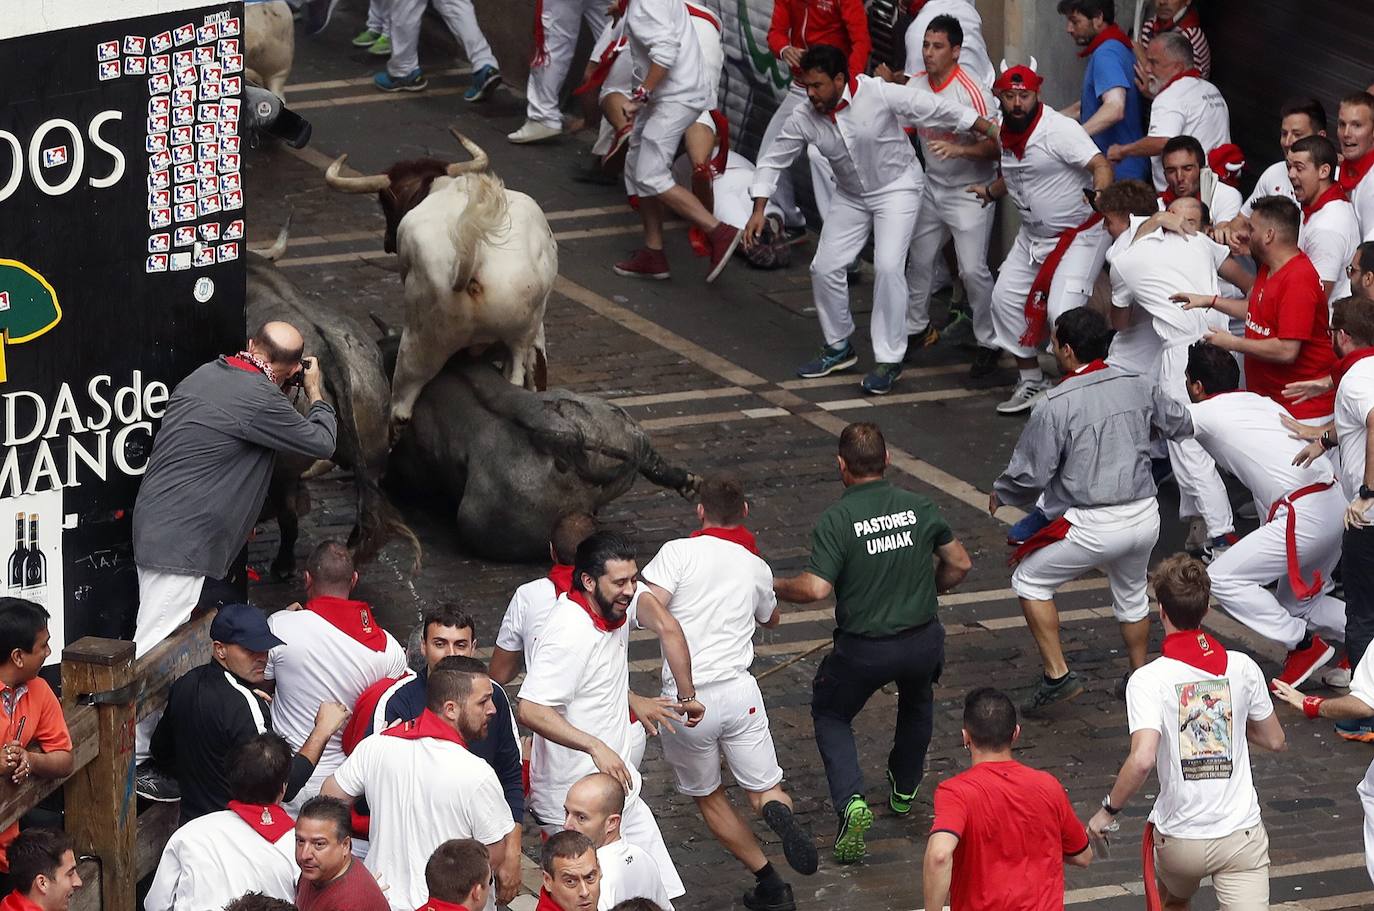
column 1112, row 32
column 1037, row 301
column 540, row 56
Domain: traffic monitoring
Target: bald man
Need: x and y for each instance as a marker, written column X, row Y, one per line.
column 206, row 482
column 593, row 807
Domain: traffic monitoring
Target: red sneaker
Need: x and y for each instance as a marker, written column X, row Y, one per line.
column 1302, row 663
column 701, row 244
column 724, row 239
column 644, row 263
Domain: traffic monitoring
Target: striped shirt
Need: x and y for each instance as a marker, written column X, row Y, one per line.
column 1187, row 24
column 964, row 89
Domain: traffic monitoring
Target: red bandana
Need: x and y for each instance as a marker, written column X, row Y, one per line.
column 427, row 725
column 598, row 620
column 1015, row 142
column 1334, row 193
column 1342, row 366
column 1167, row 198
column 246, row 360
column 1196, row 649
column 1191, row 71
column 1057, row 530
column 1189, row 19
column 738, row 534
column 268, row 820
column 844, row 102
column 1089, row 367
column 1112, row 32
column 546, row 902
column 1352, row 172
column 433, row 904
column 562, row 577
column 352, row 618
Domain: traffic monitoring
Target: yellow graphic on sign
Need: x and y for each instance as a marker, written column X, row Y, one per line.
column 28, row 307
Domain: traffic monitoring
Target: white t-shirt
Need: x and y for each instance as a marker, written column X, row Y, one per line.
column 421, row 793
column 1354, row 401
column 525, row 616
column 1225, row 203
column 661, row 31
column 1362, row 681
column 719, row 592
column 1329, row 238
column 1136, row 348
column 1047, row 185
column 1153, row 268
column 1188, row 107
column 973, row 54
column 1363, row 201
column 1244, row 434
column 1273, row 182
column 215, row 858
column 1203, row 763
column 629, row 872
column 584, row 674
column 320, row 663
column 955, row 174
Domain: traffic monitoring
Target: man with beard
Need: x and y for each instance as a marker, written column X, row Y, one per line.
column 1355, row 130
column 423, row 787
column 1181, row 17
column 1048, row 162
column 1109, row 107
column 577, row 687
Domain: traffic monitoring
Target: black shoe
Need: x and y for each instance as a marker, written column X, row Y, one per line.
column 1047, row 695
column 151, row 784
column 918, row 342
column 984, row 362
column 756, row 899
column 797, row 844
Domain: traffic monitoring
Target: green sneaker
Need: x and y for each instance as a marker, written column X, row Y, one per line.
column 381, row 47
column 899, row 802
column 366, row 38
column 849, row 842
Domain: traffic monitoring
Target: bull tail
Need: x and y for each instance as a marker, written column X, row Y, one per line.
column 484, row 218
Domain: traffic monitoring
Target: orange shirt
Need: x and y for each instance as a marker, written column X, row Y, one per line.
column 31, row 715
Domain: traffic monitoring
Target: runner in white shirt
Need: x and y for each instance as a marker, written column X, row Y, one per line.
column 577, row 688
column 336, row 649
column 1330, row 232
column 415, row 808
column 249, row 847
column 953, row 161
column 594, row 807
column 1300, row 506
column 1193, row 714
column 1185, row 105
column 719, row 588
column 1298, row 118
column 1048, row 161
column 974, row 57
column 1355, row 130
column 857, row 123
column 1186, row 174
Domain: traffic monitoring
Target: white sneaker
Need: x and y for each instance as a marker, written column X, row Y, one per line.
column 1024, row 397
column 1336, row 677
column 532, row 131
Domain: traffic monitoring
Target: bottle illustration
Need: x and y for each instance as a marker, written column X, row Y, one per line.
column 18, row 555
column 35, row 564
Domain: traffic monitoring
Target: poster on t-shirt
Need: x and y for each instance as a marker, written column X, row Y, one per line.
column 1204, row 729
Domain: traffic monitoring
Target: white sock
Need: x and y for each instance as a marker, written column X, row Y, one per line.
column 1031, row 374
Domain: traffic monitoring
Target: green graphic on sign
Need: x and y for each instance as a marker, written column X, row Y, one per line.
column 28, row 307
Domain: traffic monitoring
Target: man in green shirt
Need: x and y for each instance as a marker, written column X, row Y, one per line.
column 873, row 550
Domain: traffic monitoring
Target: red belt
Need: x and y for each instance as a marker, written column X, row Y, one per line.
column 1300, row 588
column 1038, row 298
column 1057, row 530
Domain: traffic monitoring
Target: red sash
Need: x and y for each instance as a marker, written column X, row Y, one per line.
column 433, row 904
column 562, row 578
column 598, row 619
column 1037, row 301
column 352, row 618
column 738, row 534
column 1342, row 366
column 427, row 725
column 1112, row 32
column 1057, row 530
column 1196, row 649
column 1015, row 142
column 540, row 54
column 1352, row 172
column 1290, row 541
column 602, row 69
column 1334, row 193
column 268, row 820
column 546, row 902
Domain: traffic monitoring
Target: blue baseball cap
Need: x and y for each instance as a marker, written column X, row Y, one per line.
column 245, row 625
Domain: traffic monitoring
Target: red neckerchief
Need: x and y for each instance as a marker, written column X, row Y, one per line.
column 602, row 68
column 844, row 102
column 1015, row 142
column 247, row 360
column 1342, row 366
column 352, row 618
column 434, row 904
column 18, row 901
column 1167, row 197
column 1191, row 71
column 738, row 534
column 1112, row 32
column 1057, row 530
column 546, row 902
column 268, row 820
column 1189, row 19
column 598, row 620
column 1334, row 193
column 1196, row 649
column 562, row 578
column 427, row 725
column 1090, row 367
column 1352, row 172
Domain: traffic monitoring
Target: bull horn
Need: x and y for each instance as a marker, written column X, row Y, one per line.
column 374, row 183
column 274, row 252
column 479, row 162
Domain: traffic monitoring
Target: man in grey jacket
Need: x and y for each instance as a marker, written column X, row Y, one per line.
column 208, row 475
column 1087, row 448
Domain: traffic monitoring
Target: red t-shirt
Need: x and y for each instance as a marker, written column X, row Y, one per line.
column 1015, row 827
column 356, row 890
column 1291, row 304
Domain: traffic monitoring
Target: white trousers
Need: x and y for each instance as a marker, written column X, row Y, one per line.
column 1366, row 791
column 653, row 145
column 891, row 214
column 639, row 828
column 947, row 211
column 1201, row 489
column 458, row 15
column 822, row 174
column 379, row 16
column 562, row 19
column 1240, row 576
column 165, row 602
column 1071, row 287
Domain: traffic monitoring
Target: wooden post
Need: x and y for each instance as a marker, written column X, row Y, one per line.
column 102, row 811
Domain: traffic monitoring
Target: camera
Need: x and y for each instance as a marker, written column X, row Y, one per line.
column 298, row 378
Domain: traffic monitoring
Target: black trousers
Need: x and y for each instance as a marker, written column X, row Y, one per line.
column 1357, row 574
column 857, row 668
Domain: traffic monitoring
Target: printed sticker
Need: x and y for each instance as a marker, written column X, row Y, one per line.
column 184, row 96
column 158, row 123
column 207, row 33
column 55, row 156
column 159, row 218
column 229, row 109
column 210, row 205
column 228, row 252
column 183, row 154
column 231, row 85
column 181, row 261
column 207, row 186
column 205, row 169
column 181, row 136
column 207, row 151
column 186, row 76
column 159, row 105
column 156, row 263
column 233, row 199
column 135, row 44
column 183, row 115
column 207, row 113
column 209, row 231
column 159, row 180
column 160, row 42
column 185, row 192
column 205, row 132
column 160, row 84
column 234, row 230
column 229, row 26
column 211, row 72
column 135, row 66
column 204, row 256
column 229, row 144
column 210, row 91
column 183, row 59
column 107, row 50
column 159, row 199
column 155, row 142
column 233, row 63
column 229, row 162
column 109, row 70
column 228, row 47
column 229, row 182
column 203, row 55
column 159, row 161
column 186, row 212
column 186, row 235
column 160, row 64
column 185, row 173
column 183, row 34
column 159, row 243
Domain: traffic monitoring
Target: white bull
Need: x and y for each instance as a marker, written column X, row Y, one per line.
column 477, row 263
column 269, row 44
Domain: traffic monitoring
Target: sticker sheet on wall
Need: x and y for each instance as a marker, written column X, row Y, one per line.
column 31, row 538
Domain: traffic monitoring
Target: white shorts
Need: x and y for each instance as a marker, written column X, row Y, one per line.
column 735, row 726
column 653, row 145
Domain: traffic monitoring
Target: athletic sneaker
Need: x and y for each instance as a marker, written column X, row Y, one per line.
column 882, row 379
column 1337, row 677
column 831, row 359
column 761, row 899
column 899, row 802
column 724, row 241
column 1025, row 396
column 797, row 844
column 366, row 38
column 644, row 263
column 849, row 841
column 381, row 47
column 918, row 342
column 1217, row 546
column 414, row 81
column 1029, row 524
column 985, row 362
column 1303, row 662
column 151, row 784
column 1359, row 731
column 484, row 81
column 1048, row 694
column 533, row 131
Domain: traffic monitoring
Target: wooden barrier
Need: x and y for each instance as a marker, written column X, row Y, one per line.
column 101, row 808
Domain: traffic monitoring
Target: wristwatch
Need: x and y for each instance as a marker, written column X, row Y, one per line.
column 1366, row 493
column 1328, row 441
column 1107, row 805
